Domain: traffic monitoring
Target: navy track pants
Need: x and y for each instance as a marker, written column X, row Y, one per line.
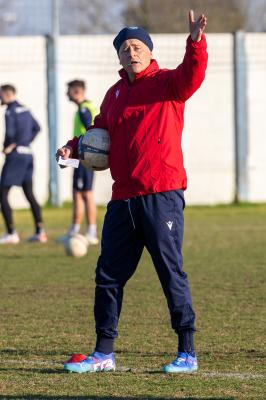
column 156, row 222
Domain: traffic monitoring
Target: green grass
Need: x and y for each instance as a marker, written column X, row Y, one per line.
column 47, row 314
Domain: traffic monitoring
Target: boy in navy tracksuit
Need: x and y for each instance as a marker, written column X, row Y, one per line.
column 21, row 129
column 144, row 114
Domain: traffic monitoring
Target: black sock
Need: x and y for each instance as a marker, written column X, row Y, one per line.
column 39, row 229
column 10, row 230
column 186, row 342
column 104, row 345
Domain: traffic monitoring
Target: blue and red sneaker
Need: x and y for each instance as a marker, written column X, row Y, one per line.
column 184, row 363
column 96, row 362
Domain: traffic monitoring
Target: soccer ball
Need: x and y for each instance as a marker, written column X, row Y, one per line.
column 93, row 149
column 76, row 246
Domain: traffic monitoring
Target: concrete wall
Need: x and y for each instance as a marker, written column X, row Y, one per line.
column 208, row 140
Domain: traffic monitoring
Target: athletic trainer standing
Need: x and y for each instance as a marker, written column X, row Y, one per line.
column 144, row 113
column 21, row 129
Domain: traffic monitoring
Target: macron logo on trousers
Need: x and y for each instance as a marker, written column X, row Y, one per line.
column 169, row 224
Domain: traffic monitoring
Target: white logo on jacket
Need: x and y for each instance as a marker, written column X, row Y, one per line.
column 20, row 110
column 169, row 224
column 117, row 93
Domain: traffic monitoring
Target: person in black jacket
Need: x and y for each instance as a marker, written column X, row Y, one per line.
column 21, row 129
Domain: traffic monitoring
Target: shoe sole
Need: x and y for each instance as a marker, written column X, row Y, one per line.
column 69, row 370
column 93, row 243
column 190, row 371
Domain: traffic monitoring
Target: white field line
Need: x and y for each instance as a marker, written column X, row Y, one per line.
column 208, row 374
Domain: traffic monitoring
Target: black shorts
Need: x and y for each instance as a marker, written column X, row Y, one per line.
column 82, row 179
column 17, row 169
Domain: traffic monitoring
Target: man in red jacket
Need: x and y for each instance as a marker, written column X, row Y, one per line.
column 144, row 113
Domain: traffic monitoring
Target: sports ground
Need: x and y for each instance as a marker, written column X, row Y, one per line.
column 47, row 314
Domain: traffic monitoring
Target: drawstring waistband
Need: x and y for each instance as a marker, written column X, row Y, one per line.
column 129, row 209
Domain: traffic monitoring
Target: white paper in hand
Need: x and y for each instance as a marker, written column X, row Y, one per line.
column 69, row 162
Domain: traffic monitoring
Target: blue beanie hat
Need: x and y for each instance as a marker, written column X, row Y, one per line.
column 132, row 32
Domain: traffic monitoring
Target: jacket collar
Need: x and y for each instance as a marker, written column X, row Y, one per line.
column 149, row 70
column 13, row 104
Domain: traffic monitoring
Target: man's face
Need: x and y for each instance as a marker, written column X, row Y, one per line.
column 6, row 97
column 134, row 57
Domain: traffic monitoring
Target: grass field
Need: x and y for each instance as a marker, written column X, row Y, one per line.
column 47, row 314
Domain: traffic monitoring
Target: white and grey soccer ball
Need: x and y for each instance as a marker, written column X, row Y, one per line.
column 93, row 149
column 76, row 246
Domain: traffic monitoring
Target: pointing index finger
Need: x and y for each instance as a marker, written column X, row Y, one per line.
column 191, row 16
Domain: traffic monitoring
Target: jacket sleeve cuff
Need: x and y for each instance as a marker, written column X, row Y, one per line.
column 73, row 144
column 201, row 44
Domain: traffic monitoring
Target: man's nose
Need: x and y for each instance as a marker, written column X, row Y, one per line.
column 131, row 51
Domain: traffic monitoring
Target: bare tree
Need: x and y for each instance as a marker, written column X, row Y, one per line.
column 7, row 17
column 170, row 16
column 31, row 17
column 26, row 17
column 75, row 16
column 254, row 12
column 90, row 16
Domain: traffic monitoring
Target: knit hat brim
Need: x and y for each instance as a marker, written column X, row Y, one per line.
column 132, row 32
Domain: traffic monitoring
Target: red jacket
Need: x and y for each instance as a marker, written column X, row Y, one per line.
column 145, row 121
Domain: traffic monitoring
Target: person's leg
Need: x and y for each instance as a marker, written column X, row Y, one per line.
column 122, row 246
column 9, row 178
column 90, row 209
column 35, row 208
column 121, row 249
column 78, row 211
column 40, row 234
column 163, row 224
column 90, row 206
column 11, row 237
column 78, row 202
column 6, row 209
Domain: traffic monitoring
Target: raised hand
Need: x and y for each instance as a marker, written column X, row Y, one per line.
column 197, row 27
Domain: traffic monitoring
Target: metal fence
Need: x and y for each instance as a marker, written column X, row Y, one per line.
column 224, row 138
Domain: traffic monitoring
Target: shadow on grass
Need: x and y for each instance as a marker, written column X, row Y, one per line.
column 50, row 371
column 43, row 397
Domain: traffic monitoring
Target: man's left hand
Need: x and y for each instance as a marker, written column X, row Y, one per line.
column 7, row 150
column 196, row 28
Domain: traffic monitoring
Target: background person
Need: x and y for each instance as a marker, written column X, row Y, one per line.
column 21, row 129
column 83, row 178
column 144, row 114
